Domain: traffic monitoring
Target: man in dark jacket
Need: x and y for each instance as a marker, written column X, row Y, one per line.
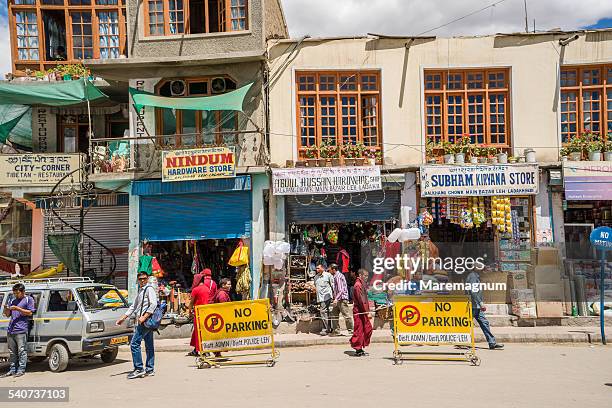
column 362, row 331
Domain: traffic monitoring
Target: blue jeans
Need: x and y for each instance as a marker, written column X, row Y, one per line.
column 141, row 333
column 484, row 325
column 18, row 353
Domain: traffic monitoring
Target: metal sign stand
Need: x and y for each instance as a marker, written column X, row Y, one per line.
column 208, row 359
column 470, row 355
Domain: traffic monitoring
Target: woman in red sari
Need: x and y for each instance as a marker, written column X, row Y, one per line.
column 201, row 294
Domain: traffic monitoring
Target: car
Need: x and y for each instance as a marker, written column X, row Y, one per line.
column 74, row 318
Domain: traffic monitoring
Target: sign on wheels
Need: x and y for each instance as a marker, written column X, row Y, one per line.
column 433, row 321
column 235, row 326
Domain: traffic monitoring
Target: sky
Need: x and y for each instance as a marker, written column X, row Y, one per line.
column 414, row 17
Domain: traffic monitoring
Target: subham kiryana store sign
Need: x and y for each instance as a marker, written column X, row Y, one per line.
column 198, row 164
column 479, row 180
column 326, row 180
column 45, row 169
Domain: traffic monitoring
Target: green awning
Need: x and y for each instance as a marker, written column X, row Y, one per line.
column 231, row 101
column 16, row 125
column 60, row 93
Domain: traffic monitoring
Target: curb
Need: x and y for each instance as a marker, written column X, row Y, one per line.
column 580, row 338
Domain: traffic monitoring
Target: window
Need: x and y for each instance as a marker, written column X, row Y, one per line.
column 27, row 35
column 108, row 25
column 82, row 35
column 101, row 297
column 586, row 100
column 172, row 17
column 468, row 102
column 338, row 108
column 189, row 128
column 58, row 300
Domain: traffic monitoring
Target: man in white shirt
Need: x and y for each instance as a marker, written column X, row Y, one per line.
column 324, row 283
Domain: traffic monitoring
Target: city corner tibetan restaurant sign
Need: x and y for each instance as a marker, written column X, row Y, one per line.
column 479, row 180
column 198, row 164
column 326, row 180
column 46, row 169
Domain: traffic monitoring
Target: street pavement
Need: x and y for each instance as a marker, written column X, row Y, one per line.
column 522, row 375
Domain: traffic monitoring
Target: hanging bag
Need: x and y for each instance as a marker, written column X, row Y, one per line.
column 240, row 256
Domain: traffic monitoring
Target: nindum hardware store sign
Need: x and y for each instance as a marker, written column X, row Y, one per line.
column 326, row 180
column 198, row 164
column 479, row 180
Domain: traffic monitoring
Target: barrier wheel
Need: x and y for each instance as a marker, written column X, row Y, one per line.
column 202, row 364
column 475, row 361
column 271, row 363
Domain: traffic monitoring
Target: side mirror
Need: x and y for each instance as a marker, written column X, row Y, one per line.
column 72, row 306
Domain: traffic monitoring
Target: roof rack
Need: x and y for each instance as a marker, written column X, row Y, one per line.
column 48, row 281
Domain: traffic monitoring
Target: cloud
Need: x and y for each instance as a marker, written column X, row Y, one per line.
column 5, row 47
column 411, row 17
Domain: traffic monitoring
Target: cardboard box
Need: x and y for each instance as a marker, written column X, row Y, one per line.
column 550, row 309
column 547, row 256
column 522, row 295
column 543, row 274
column 517, row 280
column 495, row 296
column 523, row 303
column 549, row 292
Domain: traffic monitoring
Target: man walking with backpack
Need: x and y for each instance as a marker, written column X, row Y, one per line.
column 143, row 307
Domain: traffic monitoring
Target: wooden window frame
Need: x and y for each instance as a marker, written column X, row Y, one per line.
column 159, row 121
column 466, row 90
column 579, row 88
column 224, row 17
column 338, row 93
column 67, row 8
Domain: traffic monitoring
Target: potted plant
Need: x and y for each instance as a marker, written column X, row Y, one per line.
column 462, row 147
column 594, row 146
column 530, row 155
column 312, row 153
column 474, row 153
column 449, row 150
column 330, row 154
column 576, row 147
column 351, row 152
column 502, row 156
column 483, row 154
column 608, row 148
column 430, row 147
column 492, row 155
column 563, row 153
column 373, row 155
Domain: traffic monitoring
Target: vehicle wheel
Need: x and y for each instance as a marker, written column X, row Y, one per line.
column 37, row 359
column 108, row 356
column 58, row 358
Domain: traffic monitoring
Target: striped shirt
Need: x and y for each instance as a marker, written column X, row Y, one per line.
column 340, row 287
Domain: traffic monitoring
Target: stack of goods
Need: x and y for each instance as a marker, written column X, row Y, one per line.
column 544, row 277
column 297, row 287
column 523, row 303
column 501, row 213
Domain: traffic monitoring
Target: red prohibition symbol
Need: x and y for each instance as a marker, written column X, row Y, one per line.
column 410, row 315
column 213, row 323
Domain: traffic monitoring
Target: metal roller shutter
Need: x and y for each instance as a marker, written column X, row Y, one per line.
column 110, row 226
column 195, row 216
column 382, row 205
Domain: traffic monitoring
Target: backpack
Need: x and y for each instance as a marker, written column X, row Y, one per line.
column 153, row 322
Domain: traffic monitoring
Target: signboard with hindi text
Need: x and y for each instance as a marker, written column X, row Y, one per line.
column 199, row 164
column 479, row 180
column 326, row 180
column 39, row 169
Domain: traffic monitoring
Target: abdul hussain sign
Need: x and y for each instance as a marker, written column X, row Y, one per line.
column 198, row 164
column 325, row 180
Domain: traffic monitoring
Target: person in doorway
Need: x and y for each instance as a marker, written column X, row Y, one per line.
column 19, row 309
column 361, row 315
column 343, row 260
column 222, row 294
column 478, row 309
column 324, row 284
column 205, row 276
column 143, row 307
column 202, row 294
column 340, row 304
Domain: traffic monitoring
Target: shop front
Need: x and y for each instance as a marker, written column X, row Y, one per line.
column 186, row 226
column 587, row 205
column 336, row 215
column 485, row 213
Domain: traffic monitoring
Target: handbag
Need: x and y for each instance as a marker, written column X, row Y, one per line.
column 240, row 256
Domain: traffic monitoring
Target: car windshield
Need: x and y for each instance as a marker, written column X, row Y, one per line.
column 101, row 297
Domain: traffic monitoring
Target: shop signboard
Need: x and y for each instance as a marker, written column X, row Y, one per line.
column 199, row 164
column 587, row 180
column 39, row 169
column 235, row 325
column 326, row 180
column 433, row 320
column 479, row 180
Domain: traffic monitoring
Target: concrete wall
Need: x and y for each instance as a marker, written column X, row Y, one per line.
column 274, row 20
column 533, row 61
column 141, row 46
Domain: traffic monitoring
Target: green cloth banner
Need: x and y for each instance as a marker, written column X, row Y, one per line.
column 16, row 124
column 60, row 93
column 65, row 247
column 231, row 101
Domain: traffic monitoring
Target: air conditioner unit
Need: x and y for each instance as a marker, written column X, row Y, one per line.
column 218, row 85
column 178, row 88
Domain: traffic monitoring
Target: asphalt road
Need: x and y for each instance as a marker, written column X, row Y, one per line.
column 520, row 376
